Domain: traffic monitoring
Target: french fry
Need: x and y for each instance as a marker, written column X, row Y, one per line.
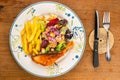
column 27, row 30
column 35, row 51
column 35, row 21
column 30, row 48
column 25, row 44
column 38, row 25
column 32, row 26
column 33, row 44
column 23, row 32
column 33, row 34
column 36, row 18
column 38, row 45
column 37, row 35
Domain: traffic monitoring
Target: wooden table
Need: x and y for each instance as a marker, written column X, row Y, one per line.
column 9, row 70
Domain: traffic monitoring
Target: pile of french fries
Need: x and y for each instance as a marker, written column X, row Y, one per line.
column 31, row 36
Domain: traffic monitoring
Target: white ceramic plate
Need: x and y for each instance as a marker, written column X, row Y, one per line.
column 73, row 56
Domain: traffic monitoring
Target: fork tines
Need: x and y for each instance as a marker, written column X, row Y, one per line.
column 106, row 18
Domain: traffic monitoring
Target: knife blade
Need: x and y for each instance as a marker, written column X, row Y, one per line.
column 96, row 38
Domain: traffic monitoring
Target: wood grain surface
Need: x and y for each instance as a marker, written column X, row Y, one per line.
column 9, row 70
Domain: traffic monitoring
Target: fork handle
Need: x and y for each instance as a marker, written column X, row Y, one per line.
column 108, row 57
column 95, row 54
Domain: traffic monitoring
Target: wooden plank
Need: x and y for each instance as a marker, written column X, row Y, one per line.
column 9, row 70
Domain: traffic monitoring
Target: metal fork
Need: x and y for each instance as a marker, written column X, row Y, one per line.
column 106, row 25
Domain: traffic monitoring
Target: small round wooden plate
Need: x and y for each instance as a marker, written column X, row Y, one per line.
column 102, row 40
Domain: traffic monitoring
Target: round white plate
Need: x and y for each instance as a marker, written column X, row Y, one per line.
column 60, row 67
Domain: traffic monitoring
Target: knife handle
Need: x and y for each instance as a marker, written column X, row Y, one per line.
column 95, row 54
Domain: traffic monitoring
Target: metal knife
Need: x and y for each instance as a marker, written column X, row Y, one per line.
column 96, row 38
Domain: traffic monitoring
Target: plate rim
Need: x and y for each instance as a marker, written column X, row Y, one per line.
column 11, row 50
